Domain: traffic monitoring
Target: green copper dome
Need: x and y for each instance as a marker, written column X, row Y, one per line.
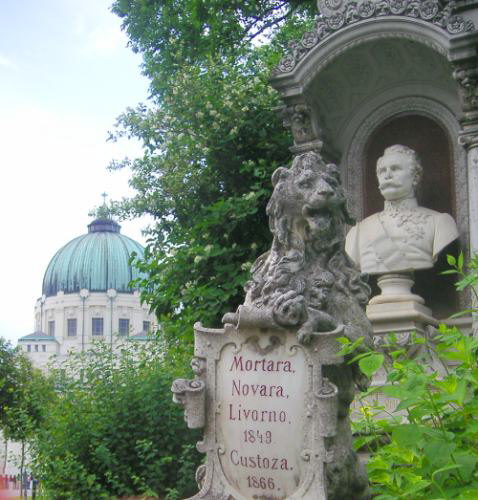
column 96, row 261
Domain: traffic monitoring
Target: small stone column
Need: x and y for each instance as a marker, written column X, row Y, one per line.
column 471, row 144
column 397, row 309
column 464, row 56
column 470, row 141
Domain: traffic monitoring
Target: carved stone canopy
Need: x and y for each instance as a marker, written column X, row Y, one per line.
column 368, row 63
column 337, row 14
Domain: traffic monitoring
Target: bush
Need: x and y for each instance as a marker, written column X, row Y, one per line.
column 426, row 449
column 114, row 430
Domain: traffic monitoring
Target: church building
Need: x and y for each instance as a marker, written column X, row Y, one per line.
column 86, row 296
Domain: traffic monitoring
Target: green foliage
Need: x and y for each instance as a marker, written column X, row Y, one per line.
column 8, row 376
column 114, row 430
column 171, row 33
column 425, row 449
column 24, row 394
column 211, row 141
column 468, row 276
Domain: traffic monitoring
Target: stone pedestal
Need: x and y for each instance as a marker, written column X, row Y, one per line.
column 397, row 309
column 400, row 317
column 266, row 410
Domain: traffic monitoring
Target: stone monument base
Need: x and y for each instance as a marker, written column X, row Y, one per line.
column 400, row 317
column 270, row 417
column 397, row 309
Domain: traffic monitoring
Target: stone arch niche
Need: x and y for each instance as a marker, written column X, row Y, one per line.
column 431, row 128
column 365, row 79
column 433, row 143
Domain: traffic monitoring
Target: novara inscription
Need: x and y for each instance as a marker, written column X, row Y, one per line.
column 241, row 389
column 261, row 397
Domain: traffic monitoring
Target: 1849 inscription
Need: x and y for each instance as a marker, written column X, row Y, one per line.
column 261, row 418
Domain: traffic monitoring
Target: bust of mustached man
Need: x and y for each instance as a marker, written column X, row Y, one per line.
column 403, row 237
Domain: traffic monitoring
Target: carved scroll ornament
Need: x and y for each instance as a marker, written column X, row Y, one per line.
column 336, row 14
column 191, row 395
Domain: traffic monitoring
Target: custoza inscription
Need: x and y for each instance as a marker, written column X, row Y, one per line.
column 263, row 397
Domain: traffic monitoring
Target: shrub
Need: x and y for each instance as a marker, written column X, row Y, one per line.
column 114, row 430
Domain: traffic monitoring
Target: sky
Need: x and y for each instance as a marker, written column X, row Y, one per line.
column 65, row 75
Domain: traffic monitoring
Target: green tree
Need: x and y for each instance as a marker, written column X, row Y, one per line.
column 114, row 430
column 175, row 34
column 211, row 141
column 8, row 374
column 25, row 395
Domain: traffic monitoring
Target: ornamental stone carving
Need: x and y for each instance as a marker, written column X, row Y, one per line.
column 299, row 119
column 306, row 282
column 295, row 283
column 275, row 391
column 336, row 15
column 191, row 396
column 392, row 244
column 467, row 78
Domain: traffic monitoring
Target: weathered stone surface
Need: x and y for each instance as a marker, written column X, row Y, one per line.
column 336, row 14
column 306, row 281
column 265, row 393
column 277, row 395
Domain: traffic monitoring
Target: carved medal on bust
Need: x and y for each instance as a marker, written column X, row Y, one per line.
column 412, row 221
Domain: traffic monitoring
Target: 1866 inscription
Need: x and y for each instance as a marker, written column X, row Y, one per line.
column 261, row 420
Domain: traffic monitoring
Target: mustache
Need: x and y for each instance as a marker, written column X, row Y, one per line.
column 389, row 184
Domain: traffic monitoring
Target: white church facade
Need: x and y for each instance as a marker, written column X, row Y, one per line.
column 86, row 296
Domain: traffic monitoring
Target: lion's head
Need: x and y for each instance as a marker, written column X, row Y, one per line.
column 308, row 203
column 307, row 213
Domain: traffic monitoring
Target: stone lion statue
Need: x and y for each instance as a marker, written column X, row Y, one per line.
column 308, row 283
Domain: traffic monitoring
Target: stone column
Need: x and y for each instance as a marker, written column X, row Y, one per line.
column 468, row 138
column 470, row 142
column 464, row 57
column 472, row 160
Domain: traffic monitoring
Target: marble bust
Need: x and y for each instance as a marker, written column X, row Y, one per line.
column 403, row 237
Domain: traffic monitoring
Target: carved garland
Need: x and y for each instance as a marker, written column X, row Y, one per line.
column 334, row 20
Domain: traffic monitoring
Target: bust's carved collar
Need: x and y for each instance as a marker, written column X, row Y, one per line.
column 400, row 205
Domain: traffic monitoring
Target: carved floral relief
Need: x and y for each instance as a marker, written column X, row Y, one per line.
column 335, row 15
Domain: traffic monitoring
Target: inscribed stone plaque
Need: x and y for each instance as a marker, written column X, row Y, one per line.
column 268, row 410
column 262, row 392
